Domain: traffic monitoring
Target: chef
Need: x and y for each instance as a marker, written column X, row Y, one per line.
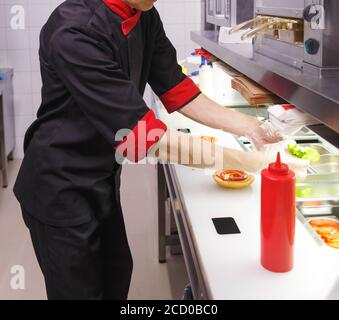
column 96, row 57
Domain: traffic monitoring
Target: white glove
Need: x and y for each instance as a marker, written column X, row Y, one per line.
column 270, row 151
column 263, row 135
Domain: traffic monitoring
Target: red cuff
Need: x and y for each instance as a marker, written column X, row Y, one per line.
column 143, row 136
column 180, row 95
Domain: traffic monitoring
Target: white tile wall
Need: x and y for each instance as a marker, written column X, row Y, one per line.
column 3, row 57
column 19, row 60
column 23, row 104
column 19, row 48
column 2, row 16
column 179, row 18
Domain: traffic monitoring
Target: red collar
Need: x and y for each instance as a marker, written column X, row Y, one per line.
column 130, row 16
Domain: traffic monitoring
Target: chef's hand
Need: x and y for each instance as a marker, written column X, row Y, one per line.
column 269, row 155
column 299, row 166
column 263, row 134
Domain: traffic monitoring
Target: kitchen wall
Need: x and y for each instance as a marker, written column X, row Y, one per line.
column 179, row 18
column 18, row 47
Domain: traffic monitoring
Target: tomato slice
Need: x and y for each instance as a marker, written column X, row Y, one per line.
column 328, row 230
column 232, row 175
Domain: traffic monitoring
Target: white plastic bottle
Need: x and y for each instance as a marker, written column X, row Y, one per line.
column 206, row 80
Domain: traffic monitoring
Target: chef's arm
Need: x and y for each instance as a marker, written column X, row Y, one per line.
column 175, row 90
column 185, row 149
column 207, row 112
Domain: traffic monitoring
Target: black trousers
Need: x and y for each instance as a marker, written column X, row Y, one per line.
column 89, row 261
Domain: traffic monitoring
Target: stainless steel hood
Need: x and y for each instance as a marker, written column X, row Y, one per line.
column 317, row 96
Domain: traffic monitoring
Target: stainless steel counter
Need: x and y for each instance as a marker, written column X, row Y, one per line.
column 318, row 97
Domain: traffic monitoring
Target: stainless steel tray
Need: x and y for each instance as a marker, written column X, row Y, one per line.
column 319, row 147
column 319, row 208
column 305, row 133
column 320, row 179
column 314, row 233
column 317, row 187
column 326, row 165
column 323, row 217
column 326, row 168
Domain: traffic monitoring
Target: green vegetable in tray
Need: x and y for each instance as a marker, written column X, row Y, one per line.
column 306, row 153
column 304, row 192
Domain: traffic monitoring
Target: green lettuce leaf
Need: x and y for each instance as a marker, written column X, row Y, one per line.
column 306, row 153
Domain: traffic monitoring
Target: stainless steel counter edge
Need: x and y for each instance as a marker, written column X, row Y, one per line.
column 193, row 268
column 318, row 97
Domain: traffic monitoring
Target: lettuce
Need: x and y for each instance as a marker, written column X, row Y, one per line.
column 304, row 192
column 306, row 153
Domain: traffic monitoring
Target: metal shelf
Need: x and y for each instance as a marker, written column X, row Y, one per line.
column 317, row 96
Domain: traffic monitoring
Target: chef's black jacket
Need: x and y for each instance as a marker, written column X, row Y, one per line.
column 96, row 58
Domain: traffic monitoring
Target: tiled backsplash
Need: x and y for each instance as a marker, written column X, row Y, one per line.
column 19, row 48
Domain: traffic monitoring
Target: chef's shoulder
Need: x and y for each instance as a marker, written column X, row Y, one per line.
column 76, row 12
column 74, row 20
column 152, row 18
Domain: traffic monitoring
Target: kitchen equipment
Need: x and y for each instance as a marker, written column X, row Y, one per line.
column 226, row 37
column 278, row 213
column 229, row 13
column 7, row 129
column 299, row 33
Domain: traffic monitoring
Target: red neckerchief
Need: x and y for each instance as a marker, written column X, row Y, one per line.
column 130, row 16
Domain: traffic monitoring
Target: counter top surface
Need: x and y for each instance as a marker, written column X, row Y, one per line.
column 231, row 264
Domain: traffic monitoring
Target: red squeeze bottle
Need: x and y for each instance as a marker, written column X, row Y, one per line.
column 278, row 214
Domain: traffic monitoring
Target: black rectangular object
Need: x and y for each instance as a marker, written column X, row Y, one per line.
column 226, row 226
column 184, row 130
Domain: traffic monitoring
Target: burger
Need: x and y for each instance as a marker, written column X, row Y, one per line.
column 233, row 179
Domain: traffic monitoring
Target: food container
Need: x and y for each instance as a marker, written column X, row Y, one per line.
column 305, row 134
column 326, row 168
column 327, row 229
column 318, row 187
column 327, row 164
column 321, row 149
column 329, row 159
column 319, row 208
column 320, row 178
column 319, row 190
column 318, row 203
